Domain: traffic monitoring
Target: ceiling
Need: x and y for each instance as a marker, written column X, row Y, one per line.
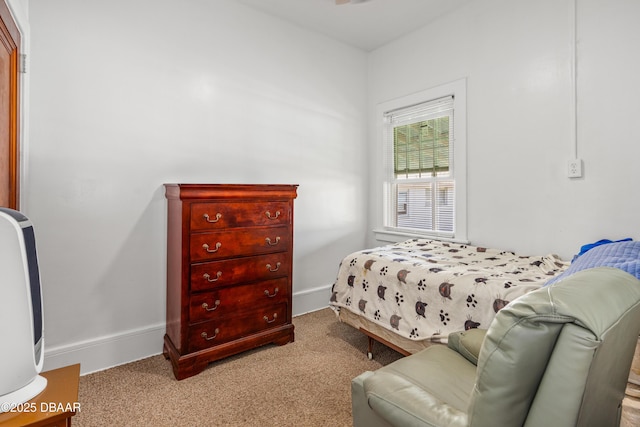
column 365, row 24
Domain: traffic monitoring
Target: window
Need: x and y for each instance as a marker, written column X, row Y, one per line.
column 424, row 145
column 402, row 202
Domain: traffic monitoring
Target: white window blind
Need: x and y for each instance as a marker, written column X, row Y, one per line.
column 420, row 169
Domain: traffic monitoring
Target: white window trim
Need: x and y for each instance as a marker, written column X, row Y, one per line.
column 458, row 89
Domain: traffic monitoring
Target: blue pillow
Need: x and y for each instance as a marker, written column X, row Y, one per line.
column 623, row 255
column 590, row 246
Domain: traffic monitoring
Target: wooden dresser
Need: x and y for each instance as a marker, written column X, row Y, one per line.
column 229, row 265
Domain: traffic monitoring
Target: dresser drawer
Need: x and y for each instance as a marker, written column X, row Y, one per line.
column 223, row 330
column 214, row 274
column 251, row 241
column 225, row 301
column 216, row 216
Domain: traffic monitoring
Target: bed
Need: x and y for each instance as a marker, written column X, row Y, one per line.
column 411, row 294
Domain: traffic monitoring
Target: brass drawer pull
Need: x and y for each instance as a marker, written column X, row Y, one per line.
column 208, row 278
column 218, row 216
column 273, row 270
column 275, row 292
column 211, row 251
column 268, row 240
column 268, row 214
column 275, row 316
column 206, row 306
column 204, row 335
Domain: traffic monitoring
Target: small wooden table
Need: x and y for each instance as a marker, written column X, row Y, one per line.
column 54, row 407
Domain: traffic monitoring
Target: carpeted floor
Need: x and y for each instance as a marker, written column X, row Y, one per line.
column 304, row 383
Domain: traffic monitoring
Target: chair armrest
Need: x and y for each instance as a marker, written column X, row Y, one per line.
column 467, row 343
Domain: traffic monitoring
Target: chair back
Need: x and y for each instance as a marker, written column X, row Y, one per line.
column 560, row 355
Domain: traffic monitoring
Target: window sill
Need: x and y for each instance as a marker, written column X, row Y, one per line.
column 395, row 236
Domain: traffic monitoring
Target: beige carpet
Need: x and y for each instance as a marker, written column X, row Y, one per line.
column 304, row 383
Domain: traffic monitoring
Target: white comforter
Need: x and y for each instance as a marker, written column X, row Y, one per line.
column 425, row 289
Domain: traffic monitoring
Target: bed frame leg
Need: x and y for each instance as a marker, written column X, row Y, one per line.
column 373, row 338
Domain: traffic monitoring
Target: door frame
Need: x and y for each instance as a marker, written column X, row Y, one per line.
column 11, row 40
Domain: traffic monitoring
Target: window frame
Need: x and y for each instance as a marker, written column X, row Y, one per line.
column 384, row 200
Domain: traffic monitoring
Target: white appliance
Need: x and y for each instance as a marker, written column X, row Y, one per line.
column 21, row 317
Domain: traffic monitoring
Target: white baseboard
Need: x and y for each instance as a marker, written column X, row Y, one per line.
column 311, row 300
column 108, row 351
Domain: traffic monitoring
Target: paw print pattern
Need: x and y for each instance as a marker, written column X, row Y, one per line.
column 414, row 333
column 507, row 285
column 399, row 298
column 444, row 317
column 471, row 301
column 365, row 285
column 422, row 285
column 348, row 302
column 353, row 262
column 383, row 271
column 376, row 315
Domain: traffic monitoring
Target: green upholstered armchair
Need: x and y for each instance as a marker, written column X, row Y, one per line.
column 558, row 356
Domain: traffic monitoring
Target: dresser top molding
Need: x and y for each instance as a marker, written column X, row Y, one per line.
column 230, row 191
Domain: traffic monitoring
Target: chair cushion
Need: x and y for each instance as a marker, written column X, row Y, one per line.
column 429, row 388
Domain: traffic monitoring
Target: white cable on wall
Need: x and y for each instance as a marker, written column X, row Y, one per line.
column 573, row 23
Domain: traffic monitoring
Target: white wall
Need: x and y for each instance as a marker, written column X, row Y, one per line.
column 126, row 96
column 516, row 56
